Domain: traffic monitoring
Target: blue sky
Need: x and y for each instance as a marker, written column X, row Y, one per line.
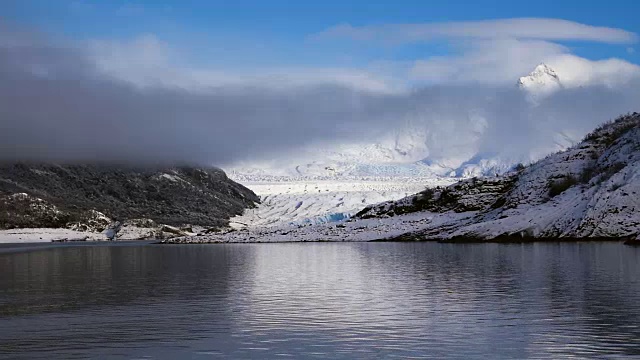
column 275, row 33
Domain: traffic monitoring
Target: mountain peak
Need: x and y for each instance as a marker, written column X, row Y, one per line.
column 543, row 73
column 544, row 69
column 543, row 80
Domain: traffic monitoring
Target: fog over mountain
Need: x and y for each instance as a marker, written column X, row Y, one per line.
column 64, row 100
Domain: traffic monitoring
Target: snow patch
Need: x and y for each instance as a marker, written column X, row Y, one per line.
column 46, row 235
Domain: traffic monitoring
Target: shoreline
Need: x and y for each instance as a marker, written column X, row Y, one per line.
column 337, row 232
column 509, row 239
column 513, row 240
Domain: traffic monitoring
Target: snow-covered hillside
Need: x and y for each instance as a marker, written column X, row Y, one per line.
column 588, row 191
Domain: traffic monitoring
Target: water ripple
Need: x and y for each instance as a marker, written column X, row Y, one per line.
column 322, row 301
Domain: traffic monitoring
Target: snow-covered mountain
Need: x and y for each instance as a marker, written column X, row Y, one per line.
column 398, row 153
column 320, row 184
column 590, row 190
column 413, row 149
column 416, row 147
column 542, row 81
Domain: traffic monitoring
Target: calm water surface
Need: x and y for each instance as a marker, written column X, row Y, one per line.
column 321, row 300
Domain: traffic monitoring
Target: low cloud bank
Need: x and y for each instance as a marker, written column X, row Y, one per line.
column 57, row 104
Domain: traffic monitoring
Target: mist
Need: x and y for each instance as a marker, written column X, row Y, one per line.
column 56, row 105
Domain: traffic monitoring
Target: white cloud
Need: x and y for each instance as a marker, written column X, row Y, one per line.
column 519, row 28
column 498, row 52
column 495, row 52
column 78, row 114
column 575, row 71
column 492, row 62
column 503, row 61
column 147, row 61
column 143, row 51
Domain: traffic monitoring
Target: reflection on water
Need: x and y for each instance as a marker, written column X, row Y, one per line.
column 320, row 300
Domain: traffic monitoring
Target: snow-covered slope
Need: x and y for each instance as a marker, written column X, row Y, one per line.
column 315, row 201
column 413, row 150
column 322, row 184
column 588, row 191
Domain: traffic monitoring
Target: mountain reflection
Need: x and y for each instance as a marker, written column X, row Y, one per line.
column 325, row 299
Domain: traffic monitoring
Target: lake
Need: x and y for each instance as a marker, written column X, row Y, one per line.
column 320, row 300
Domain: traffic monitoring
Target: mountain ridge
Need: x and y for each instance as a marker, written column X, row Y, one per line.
column 90, row 197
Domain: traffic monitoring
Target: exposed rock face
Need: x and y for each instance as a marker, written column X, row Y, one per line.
column 467, row 195
column 89, row 197
column 590, row 190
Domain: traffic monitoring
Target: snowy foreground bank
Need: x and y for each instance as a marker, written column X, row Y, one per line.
column 350, row 230
column 45, row 235
column 420, row 226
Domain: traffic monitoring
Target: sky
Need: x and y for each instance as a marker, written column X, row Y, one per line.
column 280, row 28
column 218, row 82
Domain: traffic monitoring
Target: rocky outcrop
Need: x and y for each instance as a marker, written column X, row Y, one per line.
column 467, row 195
column 91, row 197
